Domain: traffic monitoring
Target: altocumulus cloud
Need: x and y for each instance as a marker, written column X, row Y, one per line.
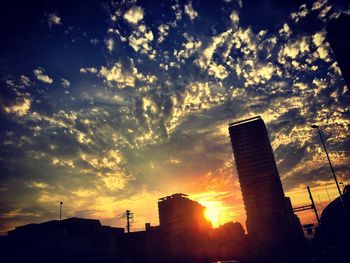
column 20, row 108
column 42, row 76
column 134, row 15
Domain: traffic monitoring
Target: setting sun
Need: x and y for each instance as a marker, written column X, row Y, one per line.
column 212, row 213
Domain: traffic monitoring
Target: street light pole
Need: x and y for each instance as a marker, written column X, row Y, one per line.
column 61, row 203
column 329, row 160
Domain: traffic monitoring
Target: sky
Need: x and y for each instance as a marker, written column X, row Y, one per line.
column 110, row 105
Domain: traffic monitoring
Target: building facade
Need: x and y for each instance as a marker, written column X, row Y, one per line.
column 68, row 240
column 178, row 211
column 270, row 218
column 338, row 31
column 183, row 227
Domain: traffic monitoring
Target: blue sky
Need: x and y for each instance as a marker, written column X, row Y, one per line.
column 109, row 105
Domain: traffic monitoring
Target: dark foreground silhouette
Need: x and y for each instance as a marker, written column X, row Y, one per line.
column 183, row 236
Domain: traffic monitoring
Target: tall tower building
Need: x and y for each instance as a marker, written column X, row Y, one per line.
column 270, row 217
column 338, row 32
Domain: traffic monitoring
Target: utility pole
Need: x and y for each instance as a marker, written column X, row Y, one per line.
column 129, row 217
column 313, row 205
column 61, row 203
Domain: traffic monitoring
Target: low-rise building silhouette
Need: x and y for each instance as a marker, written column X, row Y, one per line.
column 179, row 213
column 183, row 226
column 184, row 235
column 75, row 239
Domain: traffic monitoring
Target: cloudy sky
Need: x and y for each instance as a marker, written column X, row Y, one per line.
column 110, row 105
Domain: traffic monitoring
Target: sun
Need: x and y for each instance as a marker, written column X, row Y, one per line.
column 212, row 214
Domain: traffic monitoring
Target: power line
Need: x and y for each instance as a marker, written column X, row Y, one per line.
column 129, row 218
column 115, row 218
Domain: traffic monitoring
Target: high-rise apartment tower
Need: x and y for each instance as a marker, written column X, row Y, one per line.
column 270, row 216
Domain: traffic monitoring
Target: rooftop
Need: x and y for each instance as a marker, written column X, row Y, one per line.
column 177, row 195
column 244, row 121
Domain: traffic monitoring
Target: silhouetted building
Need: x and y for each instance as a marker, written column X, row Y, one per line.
column 333, row 235
column 338, row 35
column 271, row 222
column 145, row 246
column 228, row 242
column 178, row 211
column 183, row 236
column 76, row 239
column 183, row 227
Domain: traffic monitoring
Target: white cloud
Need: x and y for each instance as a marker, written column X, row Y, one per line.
column 322, row 46
column 258, row 73
column 117, row 32
column 192, row 14
column 140, row 40
column 301, row 86
column 294, row 48
column 88, row 70
column 318, row 38
column 188, row 48
column 114, row 181
column 125, row 77
column 110, row 44
column 266, row 71
column 41, row 75
column 118, row 75
column 302, row 12
column 318, row 4
column 94, row 41
column 53, row 19
column 163, row 32
column 65, row 83
column 178, row 14
column 285, row 30
column 324, row 12
column 20, row 108
column 25, row 81
column 134, row 15
column 205, row 59
column 66, row 120
column 323, row 53
column 219, row 71
column 234, row 17
column 40, row 185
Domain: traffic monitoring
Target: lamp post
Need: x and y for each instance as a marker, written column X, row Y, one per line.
column 61, row 203
column 329, row 160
